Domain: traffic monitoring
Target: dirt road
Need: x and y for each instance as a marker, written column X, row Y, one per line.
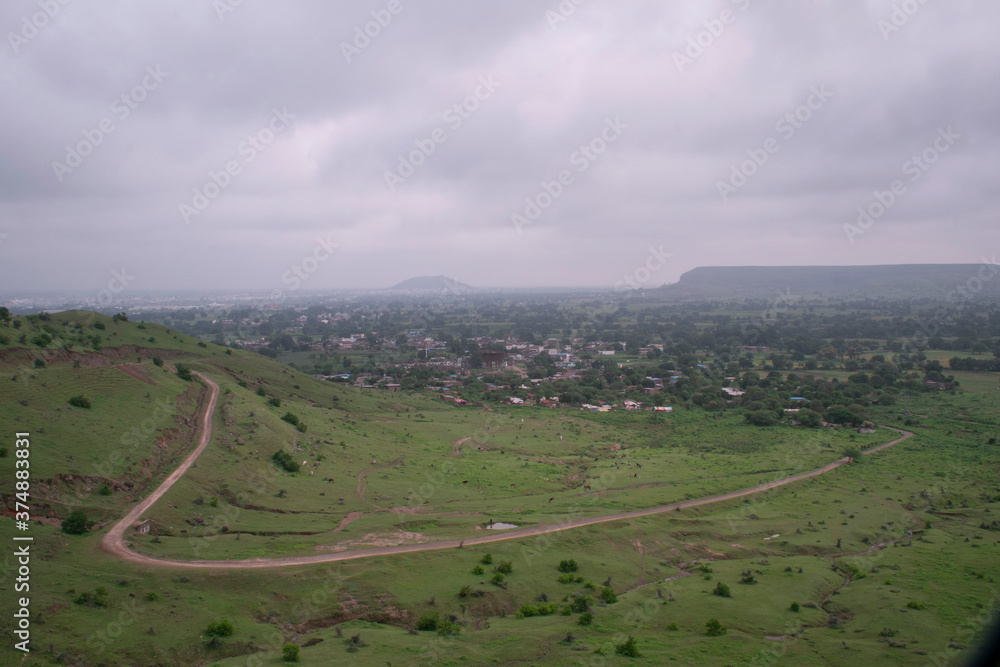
column 114, row 542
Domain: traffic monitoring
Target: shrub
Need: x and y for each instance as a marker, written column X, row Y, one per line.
column 157, row 361
column 794, row 606
column 42, row 340
column 76, row 523
column 580, row 604
column 261, row 392
column 722, row 590
column 80, row 402
column 465, row 591
column 184, row 373
column 276, row 402
column 748, row 578
column 105, row 490
column 497, row 579
column 428, row 622
column 673, row 626
column 913, row 604
column 713, row 628
column 628, row 648
column 505, row 567
column 290, row 652
column 566, row 578
column 608, row 595
column 39, row 363
column 221, row 628
column 448, row 627
column 586, row 618
column 152, row 596
column 284, row 460
column 568, row 566
column 478, row 570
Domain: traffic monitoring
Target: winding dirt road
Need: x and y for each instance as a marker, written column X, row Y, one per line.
column 114, row 542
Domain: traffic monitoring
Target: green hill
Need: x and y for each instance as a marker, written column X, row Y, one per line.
column 890, row 281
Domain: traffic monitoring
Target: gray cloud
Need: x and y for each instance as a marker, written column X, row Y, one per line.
column 692, row 113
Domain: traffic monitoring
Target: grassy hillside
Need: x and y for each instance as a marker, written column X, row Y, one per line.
column 892, row 560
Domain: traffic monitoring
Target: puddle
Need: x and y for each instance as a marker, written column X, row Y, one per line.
column 500, row 525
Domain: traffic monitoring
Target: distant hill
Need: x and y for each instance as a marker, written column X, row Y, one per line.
column 894, row 281
column 430, row 284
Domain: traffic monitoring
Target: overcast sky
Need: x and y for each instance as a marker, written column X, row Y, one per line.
column 734, row 132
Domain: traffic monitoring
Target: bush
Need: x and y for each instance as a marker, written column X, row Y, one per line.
column 157, row 361
column 497, row 579
column 713, row 628
column 761, row 418
column 487, row 560
column 505, row 567
column 261, row 392
column 566, row 578
column 99, row 325
column 276, row 402
column 152, row 596
column 608, row 595
column 221, row 628
column 581, row 604
column 586, row 618
column 284, row 460
column 80, row 402
column 447, row 627
column 290, row 652
column 477, row 570
column 184, row 373
column 42, row 340
column 105, row 490
column 794, row 607
column 628, row 648
column 428, row 622
column 568, row 566
column 39, row 363
column 913, row 604
column 76, row 523
column 722, row 590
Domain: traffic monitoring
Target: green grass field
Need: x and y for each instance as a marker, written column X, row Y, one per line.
column 891, row 560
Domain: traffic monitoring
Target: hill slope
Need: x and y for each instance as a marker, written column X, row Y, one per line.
column 900, row 281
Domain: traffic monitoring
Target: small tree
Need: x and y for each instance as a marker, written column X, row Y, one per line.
column 628, row 648
column 428, row 622
column 713, row 628
column 722, row 590
column 290, row 652
column 80, row 402
column 221, row 628
column 852, row 453
column 608, row 595
column 568, row 566
column 184, row 373
column 76, row 523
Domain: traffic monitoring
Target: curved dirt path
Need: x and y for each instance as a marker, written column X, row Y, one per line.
column 114, row 544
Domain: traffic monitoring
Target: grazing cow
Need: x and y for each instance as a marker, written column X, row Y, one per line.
column 551, row 499
column 586, row 487
column 513, row 486
column 465, row 481
column 479, row 489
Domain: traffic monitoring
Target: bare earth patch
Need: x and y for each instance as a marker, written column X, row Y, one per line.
column 374, row 540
